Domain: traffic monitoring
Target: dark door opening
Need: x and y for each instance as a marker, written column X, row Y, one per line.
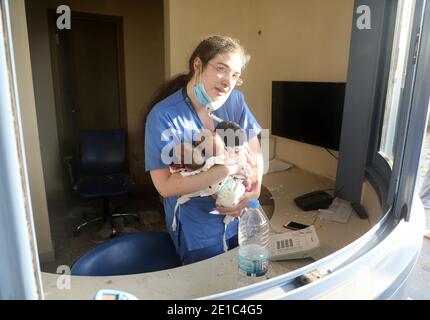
column 89, row 81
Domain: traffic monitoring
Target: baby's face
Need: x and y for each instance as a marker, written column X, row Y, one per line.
column 210, row 145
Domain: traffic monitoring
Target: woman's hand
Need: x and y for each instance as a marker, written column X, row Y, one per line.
column 243, row 203
column 238, row 164
column 249, row 155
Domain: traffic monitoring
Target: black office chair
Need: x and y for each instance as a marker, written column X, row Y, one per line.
column 103, row 171
column 129, row 254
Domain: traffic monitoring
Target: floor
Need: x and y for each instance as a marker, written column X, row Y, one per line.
column 66, row 216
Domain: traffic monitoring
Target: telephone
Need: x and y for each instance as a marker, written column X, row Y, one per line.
column 298, row 244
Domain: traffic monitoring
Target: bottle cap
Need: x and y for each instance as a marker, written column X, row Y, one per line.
column 253, row 203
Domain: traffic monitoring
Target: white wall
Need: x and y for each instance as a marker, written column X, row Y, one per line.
column 300, row 41
column 306, row 40
column 192, row 20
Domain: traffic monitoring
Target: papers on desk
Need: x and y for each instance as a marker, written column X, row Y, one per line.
column 276, row 165
column 339, row 211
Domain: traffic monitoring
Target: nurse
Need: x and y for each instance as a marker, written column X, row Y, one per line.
column 186, row 106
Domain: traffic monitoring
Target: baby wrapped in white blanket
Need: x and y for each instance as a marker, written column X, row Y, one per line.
column 228, row 143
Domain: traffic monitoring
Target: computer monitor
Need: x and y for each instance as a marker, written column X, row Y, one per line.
column 310, row 112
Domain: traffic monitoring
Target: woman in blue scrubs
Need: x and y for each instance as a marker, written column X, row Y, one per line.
column 178, row 114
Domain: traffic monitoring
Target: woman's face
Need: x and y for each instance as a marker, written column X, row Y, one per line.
column 221, row 75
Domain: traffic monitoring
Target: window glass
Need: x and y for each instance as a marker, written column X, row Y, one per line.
column 396, row 81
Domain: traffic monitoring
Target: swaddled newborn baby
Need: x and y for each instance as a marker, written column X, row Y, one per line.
column 224, row 146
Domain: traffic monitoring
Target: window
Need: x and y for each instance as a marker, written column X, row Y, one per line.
column 396, row 81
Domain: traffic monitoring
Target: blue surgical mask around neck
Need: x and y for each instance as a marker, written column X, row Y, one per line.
column 201, row 94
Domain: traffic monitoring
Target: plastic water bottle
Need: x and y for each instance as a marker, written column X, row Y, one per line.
column 253, row 260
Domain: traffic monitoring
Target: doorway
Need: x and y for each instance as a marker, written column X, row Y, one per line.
column 89, row 81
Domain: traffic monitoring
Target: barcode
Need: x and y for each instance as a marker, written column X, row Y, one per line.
column 287, row 243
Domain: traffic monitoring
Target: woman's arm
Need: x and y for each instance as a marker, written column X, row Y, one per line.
column 169, row 185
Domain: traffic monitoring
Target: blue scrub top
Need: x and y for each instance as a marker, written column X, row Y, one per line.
column 175, row 114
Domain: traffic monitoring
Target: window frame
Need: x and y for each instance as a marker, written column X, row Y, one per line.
column 368, row 76
column 368, row 71
column 412, row 130
column 20, row 275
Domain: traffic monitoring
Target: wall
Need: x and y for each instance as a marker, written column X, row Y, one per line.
column 144, row 72
column 191, row 20
column 302, row 41
column 30, row 131
column 288, row 40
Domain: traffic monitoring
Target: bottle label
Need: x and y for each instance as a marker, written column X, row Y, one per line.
column 253, row 267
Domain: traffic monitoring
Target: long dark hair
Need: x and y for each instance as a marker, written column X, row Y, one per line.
column 206, row 51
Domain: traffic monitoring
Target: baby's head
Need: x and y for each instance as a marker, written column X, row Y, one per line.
column 232, row 135
column 228, row 138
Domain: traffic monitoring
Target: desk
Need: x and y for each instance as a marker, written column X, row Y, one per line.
column 219, row 274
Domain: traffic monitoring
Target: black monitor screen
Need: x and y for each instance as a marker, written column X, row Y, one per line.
column 309, row 112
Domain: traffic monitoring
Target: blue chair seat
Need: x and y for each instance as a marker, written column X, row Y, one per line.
column 107, row 185
column 129, row 254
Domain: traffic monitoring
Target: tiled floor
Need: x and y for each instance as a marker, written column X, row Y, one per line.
column 66, row 216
